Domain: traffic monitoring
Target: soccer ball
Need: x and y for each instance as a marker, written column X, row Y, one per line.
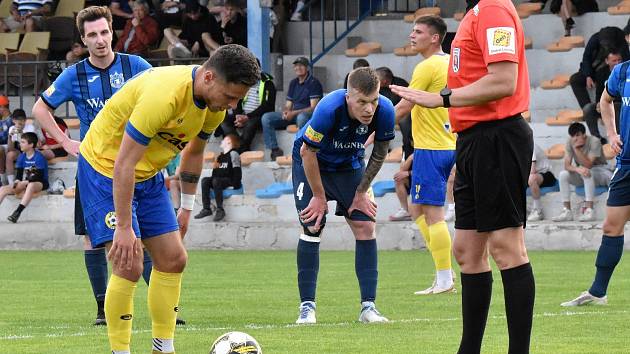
column 235, row 343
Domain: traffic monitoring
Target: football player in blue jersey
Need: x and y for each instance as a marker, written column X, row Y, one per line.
column 328, row 164
column 618, row 203
column 88, row 84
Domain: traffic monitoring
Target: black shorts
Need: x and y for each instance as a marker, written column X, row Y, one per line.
column 549, row 180
column 59, row 152
column 493, row 164
column 79, row 220
column 619, row 188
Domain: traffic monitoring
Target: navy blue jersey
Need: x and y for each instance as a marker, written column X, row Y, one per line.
column 37, row 161
column 339, row 138
column 617, row 87
column 88, row 87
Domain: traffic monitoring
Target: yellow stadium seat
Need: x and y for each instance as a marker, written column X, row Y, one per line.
column 435, row 11
column 363, row 49
column 556, row 152
column 286, row 160
column 559, row 81
column 251, row 156
column 292, row 128
column 69, row 8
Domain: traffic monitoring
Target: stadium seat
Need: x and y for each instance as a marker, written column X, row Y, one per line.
column 5, row 8
column 209, row 156
column 545, row 190
column 251, row 156
column 395, row 155
column 275, row 190
column 363, row 49
column 555, row 152
column 228, row 192
column 422, row 12
column 292, row 128
column 69, row 193
column 559, row 81
column 35, row 195
column 57, row 159
column 405, row 51
column 34, row 47
column 530, row 7
column 622, row 8
column 381, row 188
column 69, row 8
column 72, row 123
column 9, row 41
column 565, row 44
column 528, row 43
column 598, row 190
column 527, row 115
column 566, row 117
column 286, row 160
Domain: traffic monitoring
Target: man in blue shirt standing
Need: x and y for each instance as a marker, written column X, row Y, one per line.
column 328, row 164
column 88, row 84
column 304, row 93
column 618, row 203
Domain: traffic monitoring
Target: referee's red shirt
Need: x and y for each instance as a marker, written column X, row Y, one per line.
column 490, row 32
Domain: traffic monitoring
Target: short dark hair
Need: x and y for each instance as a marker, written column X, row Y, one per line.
column 360, row 63
column 236, row 142
column 386, row 73
column 576, row 128
column 93, row 13
column 435, row 22
column 363, row 80
column 18, row 114
column 30, row 137
column 234, row 64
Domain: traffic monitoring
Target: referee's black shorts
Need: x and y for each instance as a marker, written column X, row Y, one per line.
column 493, row 164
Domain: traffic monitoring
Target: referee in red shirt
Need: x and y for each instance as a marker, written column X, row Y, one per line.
column 487, row 90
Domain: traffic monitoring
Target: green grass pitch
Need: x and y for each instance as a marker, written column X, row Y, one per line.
column 47, row 306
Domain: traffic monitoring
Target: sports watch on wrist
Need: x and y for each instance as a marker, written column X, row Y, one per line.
column 446, row 96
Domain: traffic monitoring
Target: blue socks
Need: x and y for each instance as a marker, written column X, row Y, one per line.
column 366, row 267
column 608, row 256
column 96, row 266
column 148, row 266
column 308, row 267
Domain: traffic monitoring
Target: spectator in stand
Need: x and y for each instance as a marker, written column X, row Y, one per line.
column 260, row 99
column 599, row 45
column 592, row 113
column 170, row 12
column 140, row 33
column 226, row 172
column 31, row 177
column 189, row 43
column 590, row 170
column 231, row 29
column 121, row 12
column 20, row 126
column 26, row 15
column 302, row 97
column 540, row 176
column 51, row 148
column 402, row 180
column 77, row 52
column 359, row 63
column 566, row 8
column 386, row 76
column 5, row 124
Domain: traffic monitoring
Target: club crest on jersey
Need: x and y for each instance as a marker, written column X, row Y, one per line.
column 116, row 80
column 362, row 129
column 455, row 60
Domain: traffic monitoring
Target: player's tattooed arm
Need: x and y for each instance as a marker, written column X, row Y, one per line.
column 189, row 177
column 374, row 165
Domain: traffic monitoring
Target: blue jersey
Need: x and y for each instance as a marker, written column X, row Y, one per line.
column 339, row 138
column 617, row 87
column 37, row 161
column 88, row 87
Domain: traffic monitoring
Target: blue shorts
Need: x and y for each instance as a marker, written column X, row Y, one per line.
column 339, row 186
column 619, row 188
column 152, row 211
column 429, row 176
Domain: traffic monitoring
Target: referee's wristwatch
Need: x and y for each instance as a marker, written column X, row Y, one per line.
column 446, row 96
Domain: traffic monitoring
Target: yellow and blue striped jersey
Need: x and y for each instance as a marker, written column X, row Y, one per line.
column 158, row 110
column 430, row 127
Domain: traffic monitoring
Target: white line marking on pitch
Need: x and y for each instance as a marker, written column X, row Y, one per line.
column 189, row 328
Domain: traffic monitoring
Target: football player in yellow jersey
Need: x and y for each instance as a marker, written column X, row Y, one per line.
column 159, row 113
column 434, row 154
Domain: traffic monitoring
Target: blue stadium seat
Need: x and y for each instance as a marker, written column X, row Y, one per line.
column 380, row 188
column 275, row 190
column 228, row 192
column 598, row 190
column 545, row 190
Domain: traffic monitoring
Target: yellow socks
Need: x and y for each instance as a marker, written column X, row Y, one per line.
column 119, row 312
column 440, row 245
column 163, row 298
column 424, row 230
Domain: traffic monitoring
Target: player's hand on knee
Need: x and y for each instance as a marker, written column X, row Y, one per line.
column 315, row 211
column 363, row 203
column 124, row 248
column 183, row 219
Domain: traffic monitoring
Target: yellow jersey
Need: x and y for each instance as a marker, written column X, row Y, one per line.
column 156, row 109
column 430, row 127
